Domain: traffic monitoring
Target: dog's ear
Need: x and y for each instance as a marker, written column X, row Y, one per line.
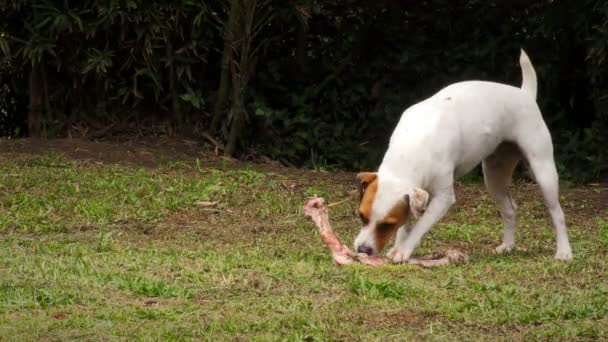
column 365, row 179
column 418, row 200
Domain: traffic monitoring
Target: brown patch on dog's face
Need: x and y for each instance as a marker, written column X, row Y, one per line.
column 387, row 227
column 367, row 189
column 365, row 179
column 380, row 231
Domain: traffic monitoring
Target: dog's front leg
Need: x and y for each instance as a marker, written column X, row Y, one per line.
column 399, row 239
column 436, row 210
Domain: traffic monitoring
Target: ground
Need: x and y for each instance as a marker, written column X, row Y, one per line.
column 163, row 240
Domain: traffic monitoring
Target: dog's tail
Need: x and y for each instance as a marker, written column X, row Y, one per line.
column 529, row 83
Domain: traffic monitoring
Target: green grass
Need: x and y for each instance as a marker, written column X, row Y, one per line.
column 113, row 252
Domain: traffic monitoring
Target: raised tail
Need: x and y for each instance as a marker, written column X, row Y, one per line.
column 529, row 83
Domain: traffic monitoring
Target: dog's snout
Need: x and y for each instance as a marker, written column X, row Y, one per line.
column 365, row 249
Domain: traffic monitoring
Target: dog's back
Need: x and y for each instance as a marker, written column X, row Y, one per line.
column 465, row 122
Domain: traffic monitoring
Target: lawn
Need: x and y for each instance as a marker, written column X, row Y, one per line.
column 101, row 248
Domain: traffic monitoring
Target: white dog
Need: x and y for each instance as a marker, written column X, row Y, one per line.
column 443, row 138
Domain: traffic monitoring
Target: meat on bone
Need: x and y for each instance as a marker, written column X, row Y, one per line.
column 342, row 255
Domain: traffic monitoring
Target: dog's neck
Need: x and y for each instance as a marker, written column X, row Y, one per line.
column 402, row 179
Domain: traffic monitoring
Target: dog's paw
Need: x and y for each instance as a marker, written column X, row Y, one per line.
column 504, row 248
column 564, row 255
column 399, row 256
column 391, row 252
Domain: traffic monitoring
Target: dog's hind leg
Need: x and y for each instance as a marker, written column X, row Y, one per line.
column 498, row 171
column 547, row 179
column 539, row 154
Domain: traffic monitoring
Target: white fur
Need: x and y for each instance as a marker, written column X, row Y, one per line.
column 444, row 137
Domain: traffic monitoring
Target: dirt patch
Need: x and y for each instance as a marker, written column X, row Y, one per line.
column 146, row 152
column 149, row 152
column 579, row 204
column 399, row 318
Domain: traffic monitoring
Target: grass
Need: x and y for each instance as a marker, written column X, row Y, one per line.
column 95, row 252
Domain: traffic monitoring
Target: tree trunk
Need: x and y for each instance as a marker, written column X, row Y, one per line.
column 223, row 92
column 241, row 72
column 36, row 122
column 238, row 112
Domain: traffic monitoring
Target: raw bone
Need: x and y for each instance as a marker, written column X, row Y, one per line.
column 342, row 255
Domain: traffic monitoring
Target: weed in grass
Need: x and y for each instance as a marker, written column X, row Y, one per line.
column 45, row 298
column 105, row 241
column 603, row 236
column 78, row 322
column 151, row 287
column 317, row 191
column 47, row 160
column 376, row 289
column 152, row 314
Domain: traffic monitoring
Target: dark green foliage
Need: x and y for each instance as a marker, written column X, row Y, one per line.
column 109, row 59
column 315, row 83
column 12, row 104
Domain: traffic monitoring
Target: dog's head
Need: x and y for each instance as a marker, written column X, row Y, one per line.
column 384, row 207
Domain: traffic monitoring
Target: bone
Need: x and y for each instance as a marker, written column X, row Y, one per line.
column 342, row 255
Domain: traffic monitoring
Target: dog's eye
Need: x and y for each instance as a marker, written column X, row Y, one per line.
column 385, row 226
